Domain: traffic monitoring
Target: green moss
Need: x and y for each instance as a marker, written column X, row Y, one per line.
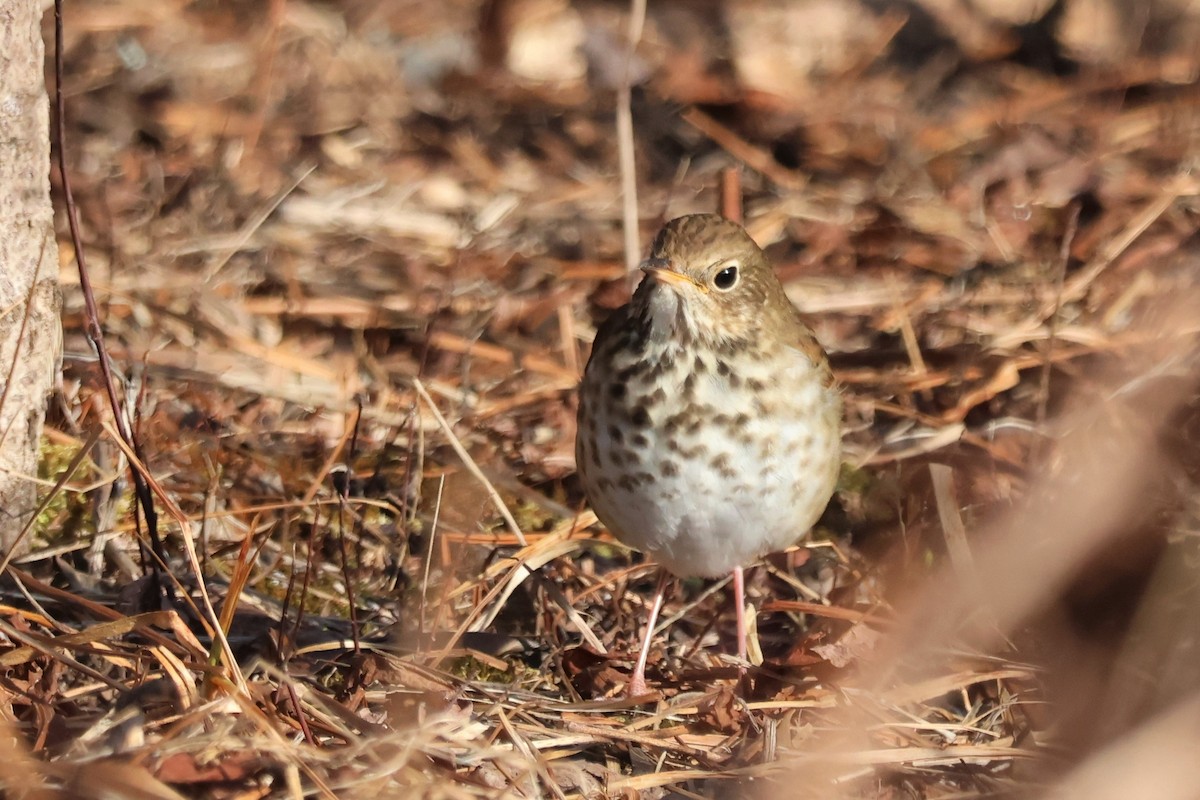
column 853, row 480
column 68, row 514
column 870, row 496
column 531, row 516
column 469, row 668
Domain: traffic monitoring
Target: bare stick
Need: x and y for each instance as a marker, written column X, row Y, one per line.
column 731, row 194
column 94, row 331
column 629, row 208
column 470, row 464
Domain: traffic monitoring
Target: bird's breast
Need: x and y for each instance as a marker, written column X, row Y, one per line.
column 708, row 458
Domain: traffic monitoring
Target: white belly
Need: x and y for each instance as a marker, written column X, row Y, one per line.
column 707, row 498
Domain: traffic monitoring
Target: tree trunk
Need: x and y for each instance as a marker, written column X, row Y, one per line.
column 30, row 336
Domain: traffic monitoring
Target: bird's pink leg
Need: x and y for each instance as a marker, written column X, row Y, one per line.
column 739, row 597
column 637, row 684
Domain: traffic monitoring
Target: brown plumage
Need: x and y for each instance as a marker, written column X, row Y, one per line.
column 709, row 426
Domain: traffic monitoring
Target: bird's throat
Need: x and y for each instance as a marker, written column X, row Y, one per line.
column 664, row 317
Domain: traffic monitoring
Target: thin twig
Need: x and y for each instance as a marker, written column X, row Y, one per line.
column 437, row 515
column 254, row 223
column 94, row 331
column 731, row 194
column 1155, row 208
column 753, row 156
column 469, row 462
column 909, row 336
column 348, row 576
column 1064, row 256
column 629, row 201
column 212, row 620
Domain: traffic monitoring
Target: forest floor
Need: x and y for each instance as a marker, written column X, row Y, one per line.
column 349, row 258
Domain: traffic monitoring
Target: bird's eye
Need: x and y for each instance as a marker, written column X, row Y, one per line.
column 726, row 279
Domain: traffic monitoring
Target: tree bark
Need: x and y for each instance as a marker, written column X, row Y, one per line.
column 30, row 332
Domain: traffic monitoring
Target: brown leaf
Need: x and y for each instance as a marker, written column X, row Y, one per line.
column 723, row 710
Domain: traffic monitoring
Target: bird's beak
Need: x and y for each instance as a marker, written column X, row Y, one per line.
column 660, row 270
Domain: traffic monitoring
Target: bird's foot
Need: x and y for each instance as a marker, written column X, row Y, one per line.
column 637, row 686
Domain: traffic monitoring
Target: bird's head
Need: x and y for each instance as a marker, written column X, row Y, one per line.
column 706, row 278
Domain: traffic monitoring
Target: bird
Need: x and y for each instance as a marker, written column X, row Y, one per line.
column 709, row 420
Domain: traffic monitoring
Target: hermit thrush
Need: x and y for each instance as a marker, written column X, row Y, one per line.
column 709, row 423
